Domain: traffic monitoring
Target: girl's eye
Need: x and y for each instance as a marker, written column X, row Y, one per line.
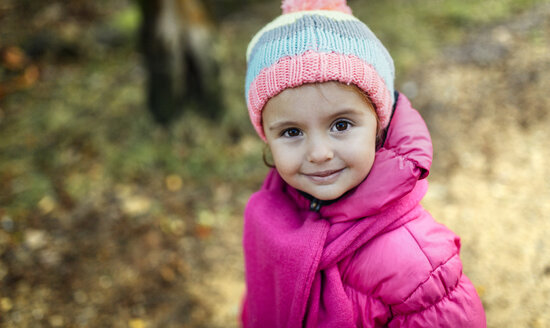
column 292, row 132
column 341, row 126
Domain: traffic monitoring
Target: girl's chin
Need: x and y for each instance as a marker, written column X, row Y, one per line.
column 326, row 195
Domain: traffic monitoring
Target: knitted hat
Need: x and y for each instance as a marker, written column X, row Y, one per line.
column 317, row 41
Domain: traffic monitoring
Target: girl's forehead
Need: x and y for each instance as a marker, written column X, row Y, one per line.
column 312, row 102
column 318, row 98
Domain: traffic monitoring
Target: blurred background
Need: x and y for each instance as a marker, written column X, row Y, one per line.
column 127, row 156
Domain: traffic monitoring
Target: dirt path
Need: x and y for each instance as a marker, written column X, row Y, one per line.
column 487, row 106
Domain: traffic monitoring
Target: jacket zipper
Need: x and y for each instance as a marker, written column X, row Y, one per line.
column 315, row 205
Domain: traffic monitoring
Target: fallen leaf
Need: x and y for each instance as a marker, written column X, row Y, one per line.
column 136, row 323
column 173, row 182
column 13, row 58
column 6, row 304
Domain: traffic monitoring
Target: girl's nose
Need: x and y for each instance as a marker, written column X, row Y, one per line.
column 319, row 151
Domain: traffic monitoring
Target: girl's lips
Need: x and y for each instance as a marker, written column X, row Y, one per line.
column 324, row 177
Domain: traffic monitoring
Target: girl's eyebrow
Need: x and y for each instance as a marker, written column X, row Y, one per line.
column 281, row 124
column 345, row 112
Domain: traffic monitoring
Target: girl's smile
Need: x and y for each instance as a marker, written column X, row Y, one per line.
column 324, row 177
column 322, row 137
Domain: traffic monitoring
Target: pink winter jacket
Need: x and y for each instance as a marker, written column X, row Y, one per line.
column 373, row 258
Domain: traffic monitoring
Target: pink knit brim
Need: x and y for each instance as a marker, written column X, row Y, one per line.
column 311, row 67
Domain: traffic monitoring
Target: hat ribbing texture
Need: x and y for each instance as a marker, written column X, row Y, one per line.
column 312, row 47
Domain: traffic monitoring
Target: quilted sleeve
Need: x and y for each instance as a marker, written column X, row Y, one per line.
column 446, row 299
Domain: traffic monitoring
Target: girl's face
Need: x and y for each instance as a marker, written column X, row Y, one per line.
column 322, row 137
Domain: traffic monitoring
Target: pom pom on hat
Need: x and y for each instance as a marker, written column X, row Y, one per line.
column 290, row 6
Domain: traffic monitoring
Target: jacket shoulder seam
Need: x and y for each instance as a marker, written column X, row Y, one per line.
column 446, row 296
column 427, row 279
column 432, row 270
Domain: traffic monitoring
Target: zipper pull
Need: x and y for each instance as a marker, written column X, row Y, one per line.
column 315, row 205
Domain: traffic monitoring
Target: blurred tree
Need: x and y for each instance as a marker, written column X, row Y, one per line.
column 177, row 40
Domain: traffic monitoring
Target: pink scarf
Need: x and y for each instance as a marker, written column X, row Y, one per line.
column 292, row 253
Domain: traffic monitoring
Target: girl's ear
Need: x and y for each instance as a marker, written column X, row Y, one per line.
column 267, row 157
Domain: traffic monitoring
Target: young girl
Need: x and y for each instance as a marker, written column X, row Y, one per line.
column 336, row 237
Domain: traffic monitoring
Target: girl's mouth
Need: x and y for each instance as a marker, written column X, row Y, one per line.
column 324, row 177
